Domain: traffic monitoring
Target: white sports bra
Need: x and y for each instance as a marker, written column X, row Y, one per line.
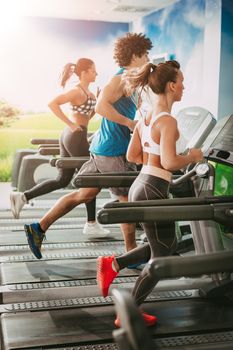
column 148, row 144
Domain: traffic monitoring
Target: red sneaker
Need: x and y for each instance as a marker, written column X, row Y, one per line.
column 148, row 319
column 105, row 273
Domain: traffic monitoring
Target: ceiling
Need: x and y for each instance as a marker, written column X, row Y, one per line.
column 100, row 10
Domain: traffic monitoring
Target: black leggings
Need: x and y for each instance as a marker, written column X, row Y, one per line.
column 72, row 144
column 161, row 235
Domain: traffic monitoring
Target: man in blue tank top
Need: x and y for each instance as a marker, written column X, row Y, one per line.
column 109, row 146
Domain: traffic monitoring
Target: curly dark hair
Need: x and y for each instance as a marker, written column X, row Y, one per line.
column 128, row 45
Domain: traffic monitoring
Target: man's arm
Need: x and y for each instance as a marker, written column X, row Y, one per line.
column 110, row 94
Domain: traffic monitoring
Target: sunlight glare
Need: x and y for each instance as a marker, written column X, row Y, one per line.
column 9, row 17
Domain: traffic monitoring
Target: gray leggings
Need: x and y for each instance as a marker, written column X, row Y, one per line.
column 161, row 235
column 72, row 144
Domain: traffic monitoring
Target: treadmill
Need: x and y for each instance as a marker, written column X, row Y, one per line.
column 134, row 335
column 207, row 320
column 67, row 318
column 194, row 121
column 56, row 305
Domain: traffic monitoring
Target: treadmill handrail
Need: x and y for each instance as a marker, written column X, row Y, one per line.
column 71, row 162
column 49, row 151
column 109, row 174
column 159, row 213
column 182, row 178
column 48, row 145
column 179, row 266
column 216, row 212
column 173, row 201
column 44, row 141
column 104, row 181
column 122, row 179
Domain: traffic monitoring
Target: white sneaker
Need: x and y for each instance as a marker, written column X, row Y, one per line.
column 17, row 200
column 95, row 230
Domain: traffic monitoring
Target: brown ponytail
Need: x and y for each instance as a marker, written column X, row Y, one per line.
column 68, row 70
column 150, row 75
column 135, row 78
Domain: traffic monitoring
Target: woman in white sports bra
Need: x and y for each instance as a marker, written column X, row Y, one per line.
column 73, row 139
column 153, row 145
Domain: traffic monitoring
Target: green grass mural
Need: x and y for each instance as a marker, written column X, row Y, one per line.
column 22, row 130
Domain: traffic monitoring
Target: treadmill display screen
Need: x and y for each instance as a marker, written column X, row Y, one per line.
column 221, row 136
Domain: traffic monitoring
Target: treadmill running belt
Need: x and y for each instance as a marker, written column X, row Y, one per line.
column 95, row 324
column 58, row 270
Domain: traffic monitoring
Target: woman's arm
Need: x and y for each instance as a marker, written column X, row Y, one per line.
column 110, row 94
column 170, row 160
column 55, row 106
column 134, row 152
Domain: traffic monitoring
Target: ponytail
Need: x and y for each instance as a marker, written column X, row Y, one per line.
column 68, row 70
column 82, row 65
column 136, row 78
column 150, row 75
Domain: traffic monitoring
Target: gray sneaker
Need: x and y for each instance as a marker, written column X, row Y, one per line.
column 17, row 200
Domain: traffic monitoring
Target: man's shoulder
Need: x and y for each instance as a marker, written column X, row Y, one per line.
column 115, row 83
column 120, row 71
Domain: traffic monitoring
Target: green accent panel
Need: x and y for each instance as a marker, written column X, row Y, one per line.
column 223, row 180
column 224, row 186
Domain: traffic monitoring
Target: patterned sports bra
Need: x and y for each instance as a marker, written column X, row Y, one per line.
column 85, row 108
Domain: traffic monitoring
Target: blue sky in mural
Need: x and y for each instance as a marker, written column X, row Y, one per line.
column 226, row 71
column 34, row 50
column 176, row 28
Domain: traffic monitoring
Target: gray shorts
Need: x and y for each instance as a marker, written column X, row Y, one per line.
column 103, row 164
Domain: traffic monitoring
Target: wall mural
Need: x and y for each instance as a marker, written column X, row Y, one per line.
column 179, row 31
column 34, row 50
column 226, row 69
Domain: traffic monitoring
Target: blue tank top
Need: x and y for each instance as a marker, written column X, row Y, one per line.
column 112, row 139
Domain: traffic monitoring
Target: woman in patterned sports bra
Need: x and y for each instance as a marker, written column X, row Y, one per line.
column 153, row 145
column 73, row 140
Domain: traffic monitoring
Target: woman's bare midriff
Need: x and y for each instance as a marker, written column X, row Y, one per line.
column 152, row 166
column 80, row 120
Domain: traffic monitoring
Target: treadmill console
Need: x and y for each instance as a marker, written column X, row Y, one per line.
column 219, row 144
column 221, row 137
column 221, row 156
column 195, row 124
